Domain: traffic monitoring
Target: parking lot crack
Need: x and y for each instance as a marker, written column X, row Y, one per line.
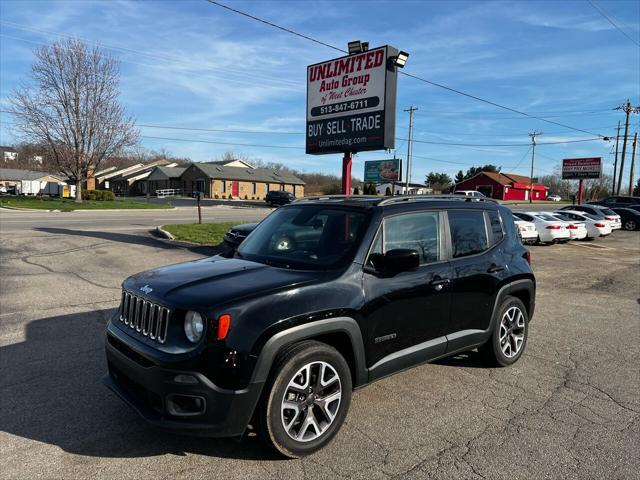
column 72, row 274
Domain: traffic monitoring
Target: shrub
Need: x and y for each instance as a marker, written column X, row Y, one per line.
column 99, row 195
column 108, row 195
column 216, row 196
column 246, row 197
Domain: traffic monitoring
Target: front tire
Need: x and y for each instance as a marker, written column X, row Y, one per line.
column 307, row 400
column 630, row 225
column 509, row 337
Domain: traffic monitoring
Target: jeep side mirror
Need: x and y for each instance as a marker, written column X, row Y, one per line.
column 396, row 261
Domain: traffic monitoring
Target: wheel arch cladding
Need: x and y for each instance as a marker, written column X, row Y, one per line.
column 523, row 290
column 342, row 333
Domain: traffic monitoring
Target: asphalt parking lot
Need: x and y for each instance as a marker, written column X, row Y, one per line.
column 569, row 408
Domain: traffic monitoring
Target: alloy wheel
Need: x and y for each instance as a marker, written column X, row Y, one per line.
column 311, row 401
column 512, row 330
column 630, row 225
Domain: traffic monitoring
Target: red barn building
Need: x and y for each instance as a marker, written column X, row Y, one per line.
column 504, row 186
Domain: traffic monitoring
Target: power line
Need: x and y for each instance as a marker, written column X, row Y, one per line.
column 275, row 26
column 501, row 144
column 601, row 11
column 435, row 84
column 521, row 160
column 219, row 130
column 221, row 143
column 190, row 67
column 271, row 132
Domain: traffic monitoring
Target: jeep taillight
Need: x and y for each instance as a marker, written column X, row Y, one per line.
column 527, row 256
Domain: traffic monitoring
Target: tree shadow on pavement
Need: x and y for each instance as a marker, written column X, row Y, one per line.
column 129, row 238
column 52, row 392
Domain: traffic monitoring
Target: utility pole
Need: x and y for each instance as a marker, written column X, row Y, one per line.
column 615, row 163
column 627, row 108
column 533, row 158
column 633, row 161
column 411, row 109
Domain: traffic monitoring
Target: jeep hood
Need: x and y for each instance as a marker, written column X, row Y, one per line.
column 209, row 282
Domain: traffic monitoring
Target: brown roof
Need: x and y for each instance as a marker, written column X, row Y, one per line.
column 506, row 178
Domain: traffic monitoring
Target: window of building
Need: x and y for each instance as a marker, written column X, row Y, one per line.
column 468, row 232
column 224, row 186
column 254, row 188
column 282, row 187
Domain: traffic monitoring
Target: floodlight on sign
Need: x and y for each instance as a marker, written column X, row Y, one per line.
column 401, row 59
column 355, row 47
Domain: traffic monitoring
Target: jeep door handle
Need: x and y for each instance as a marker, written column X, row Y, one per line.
column 494, row 268
column 439, row 283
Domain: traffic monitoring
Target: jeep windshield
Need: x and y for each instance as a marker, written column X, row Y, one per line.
column 309, row 237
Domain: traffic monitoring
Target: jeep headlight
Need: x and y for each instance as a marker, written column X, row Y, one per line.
column 193, row 326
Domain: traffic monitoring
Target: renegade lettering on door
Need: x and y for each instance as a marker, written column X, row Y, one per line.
column 351, row 103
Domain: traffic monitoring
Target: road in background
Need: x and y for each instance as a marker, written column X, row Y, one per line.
column 123, row 220
column 568, row 409
column 141, row 220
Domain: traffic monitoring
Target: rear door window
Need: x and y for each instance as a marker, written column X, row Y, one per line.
column 468, row 232
column 416, row 231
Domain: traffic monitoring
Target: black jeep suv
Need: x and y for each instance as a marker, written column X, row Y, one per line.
column 326, row 295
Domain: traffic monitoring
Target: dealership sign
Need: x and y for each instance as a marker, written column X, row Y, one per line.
column 380, row 171
column 581, row 168
column 351, row 103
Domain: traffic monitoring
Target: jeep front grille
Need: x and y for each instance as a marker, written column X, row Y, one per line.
column 147, row 318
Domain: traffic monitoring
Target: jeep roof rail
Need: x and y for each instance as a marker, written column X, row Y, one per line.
column 337, row 197
column 391, row 200
column 425, row 198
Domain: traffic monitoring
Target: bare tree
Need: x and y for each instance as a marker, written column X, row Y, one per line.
column 72, row 108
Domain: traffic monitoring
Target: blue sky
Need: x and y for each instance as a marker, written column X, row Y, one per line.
column 195, row 65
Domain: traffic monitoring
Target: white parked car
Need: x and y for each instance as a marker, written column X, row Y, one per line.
column 3, row 189
column 550, row 230
column 577, row 229
column 596, row 227
column 469, row 193
column 598, row 212
column 528, row 232
column 554, row 198
column 612, row 217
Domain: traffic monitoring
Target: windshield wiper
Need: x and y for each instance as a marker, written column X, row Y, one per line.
column 273, row 263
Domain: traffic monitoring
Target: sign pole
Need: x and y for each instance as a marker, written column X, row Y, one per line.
column 346, row 173
column 580, row 191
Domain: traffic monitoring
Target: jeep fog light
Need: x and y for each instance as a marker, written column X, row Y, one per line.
column 193, row 326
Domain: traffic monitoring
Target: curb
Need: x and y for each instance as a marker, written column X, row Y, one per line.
column 19, row 209
column 57, row 210
column 159, row 231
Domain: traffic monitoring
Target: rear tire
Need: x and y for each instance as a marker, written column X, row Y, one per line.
column 630, row 225
column 509, row 337
column 306, row 400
